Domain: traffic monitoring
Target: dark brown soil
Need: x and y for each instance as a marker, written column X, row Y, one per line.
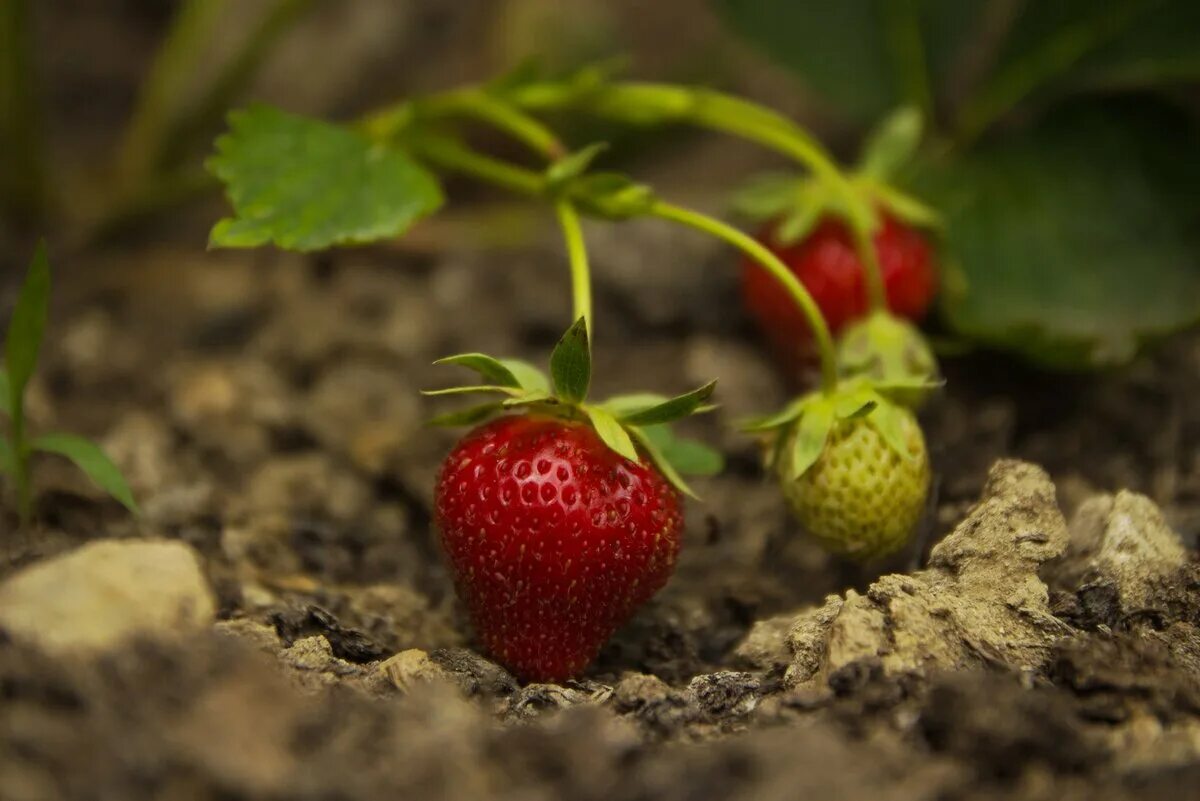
column 265, row 408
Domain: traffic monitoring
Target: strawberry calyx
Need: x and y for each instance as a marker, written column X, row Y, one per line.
column 813, row 416
column 890, row 351
column 626, row 424
column 796, row 202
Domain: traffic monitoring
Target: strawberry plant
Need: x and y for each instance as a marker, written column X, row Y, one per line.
column 21, row 348
column 561, row 516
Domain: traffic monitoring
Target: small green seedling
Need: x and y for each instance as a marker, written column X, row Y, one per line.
column 21, row 349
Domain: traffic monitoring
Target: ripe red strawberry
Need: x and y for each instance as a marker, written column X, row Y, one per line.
column 827, row 264
column 554, row 539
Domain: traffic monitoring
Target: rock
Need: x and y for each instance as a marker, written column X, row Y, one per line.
column 533, row 699
column 106, row 592
column 1123, row 541
column 473, row 674
column 765, row 647
column 980, row 602
column 409, row 669
column 725, row 694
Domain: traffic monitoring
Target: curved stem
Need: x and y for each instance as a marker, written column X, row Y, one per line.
column 581, row 283
column 752, row 248
column 473, row 102
column 449, row 155
column 650, row 103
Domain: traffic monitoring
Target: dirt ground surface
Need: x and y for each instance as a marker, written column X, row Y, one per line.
column 299, row 637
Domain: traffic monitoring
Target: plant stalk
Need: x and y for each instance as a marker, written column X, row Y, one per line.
column 22, row 155
column 581, row 284
column 650, row 103
column 778, row 270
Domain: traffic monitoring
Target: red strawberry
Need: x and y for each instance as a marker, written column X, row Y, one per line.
column 554, row 539
column 828, row 265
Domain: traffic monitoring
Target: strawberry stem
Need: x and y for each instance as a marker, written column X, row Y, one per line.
column 581, row 284
column 752, row 248
column 637, row 102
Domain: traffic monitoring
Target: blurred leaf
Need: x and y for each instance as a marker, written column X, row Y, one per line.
column 571, row 363
column 811, row 433
column 892, row 144
column 573, row 165
column 5, row 393
column 8, row 459
column 664, row 465
column 622, row 405
column 611, row 432
column 1161, row 46
column 1074, row 242
column 888, row 420
column 686, row 455
column 864, row 56
column 304, row 184
column 89, row 458
column 26, row 327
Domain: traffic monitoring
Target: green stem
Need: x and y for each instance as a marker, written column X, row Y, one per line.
column 907, row 49
column 581, row 284
column 472, row 102
column 654, row 103
column 163, row 87
column 22, row 157
column 752, row 248
column 450, row 155
column 233, row 77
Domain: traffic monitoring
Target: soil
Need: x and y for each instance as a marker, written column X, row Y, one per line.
column 265, row 409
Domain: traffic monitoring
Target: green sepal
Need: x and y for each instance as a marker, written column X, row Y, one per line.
column 780, row 419
column 886, row 419
column 811, row 434
column 435, row 393
column 799, row 223
column 662, row 463
column 94, row 462
column 472, row 415
column 611, row 196
column 530, row 399
column 572, row 166
column 490, row 368
column 529, row 377
column 669, row 411
column 848, row 405
column 768, row 195
column 903, row 206
column 26, row 327
column 571, row 364
column 611, row 432
column 892, row 144
column 623, row 405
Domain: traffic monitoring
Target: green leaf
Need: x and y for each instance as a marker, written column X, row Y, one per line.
column 303, row 184
column 674, row 409
column 662, row 463
column 89, row 458
column 5, row 393
column 811, row 434
column 888, row 420
column 466, row 417
column 611, row 195
column 854, row 403
column 26, row 328
column 571, row 363
column 688, row 456
column 611, row 432
column 902, row 205
column 8, row 459
column 491, row 369
column 1074, row 242
column 768, row 195
column 529, row 378
column 864, row 56
column 892, row 144
column 781, row 418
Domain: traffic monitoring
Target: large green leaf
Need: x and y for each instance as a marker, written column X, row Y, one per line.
column 89, row 458
column 303, row 184
column 864, row 56
column 1075, row 241
column 26, row 328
